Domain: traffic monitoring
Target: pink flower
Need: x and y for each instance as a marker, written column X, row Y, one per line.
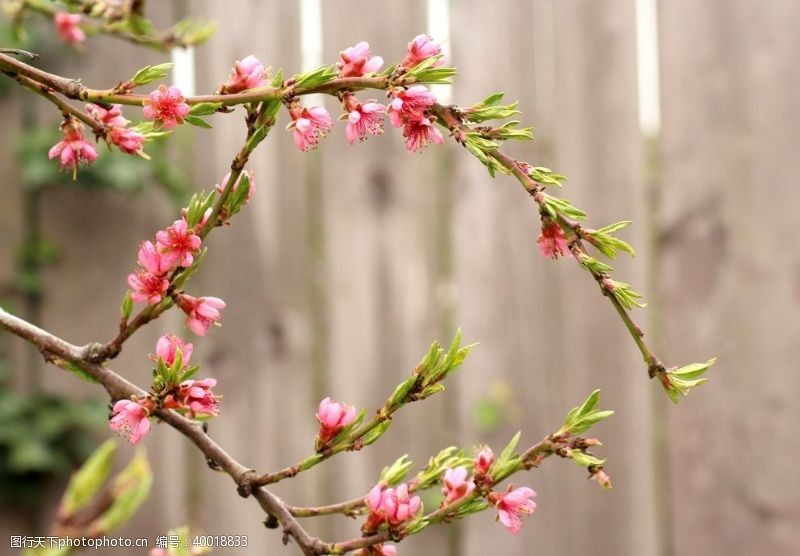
column 166, row 106
column 111, row 116
column 73, row 149
column 363, row 118
column 392, row 506
column 377, row 550
column 309, row 126
column 246, row 74
column 456, row 485
column 484, row 458
column 358, row 60
column 178, row 243
column 513, row 504
column 128, row 141
column 129, row 419
column 552, row 242
column 68, row 28
column 419, row 133
column 152, row 260
column 333, row 417
column 252, row 191
column 409, row 104
column 166, row 347
column 201, row 312
column 420, row 49
column 146, row 286
column 197, row 397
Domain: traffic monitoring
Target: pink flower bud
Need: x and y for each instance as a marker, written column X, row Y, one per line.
column 419, row 133
column 73, row 149
column 333, row 417
column 178, row 243
column 252, row 191
column 110, row 117
column 552, row 242
column 128, row 141
column 201, row 312
column 129, row 419
column 166, row 347
column 420, row 49
column 377, row 550
column 513, row 504
column 358, row 60
column 409, row 104
column 246, row 74
column 68, row 28
column 392, row 506
column 484, row 458
column 197, row 397
column 309, row 125
column 456, row 485
column 166, row 106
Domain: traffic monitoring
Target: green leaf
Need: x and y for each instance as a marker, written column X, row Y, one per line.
column 126, row 308
column 80, row 373
column 195, row 121
column 394, row 474
column 583, row 459
column 130, row 490
column 148, row 74
column 589, row 404
column 315, row 78
column 205, row 108
column 694, row 370
column 87, row 481
column 376, row 433
column 583, row 424
column 508, row 451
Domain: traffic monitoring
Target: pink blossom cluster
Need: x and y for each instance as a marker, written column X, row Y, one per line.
column 408, row 108
column 130, row 417
column 73, row 149
column 68, row 28
column 173, row 247
column 127, row 140
column 510, row 505
column 195, row 397
column 390, row 506
column 333, row 417
column 166, row 106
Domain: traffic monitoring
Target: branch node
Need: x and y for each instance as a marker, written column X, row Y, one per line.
column 245, row 483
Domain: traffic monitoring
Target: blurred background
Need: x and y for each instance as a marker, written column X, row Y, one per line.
column 679, row 115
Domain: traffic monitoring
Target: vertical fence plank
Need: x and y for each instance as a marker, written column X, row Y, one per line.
column 97, row 232
column 543, row 326
column 262, row 353
column 379, row 222
column 730, row 174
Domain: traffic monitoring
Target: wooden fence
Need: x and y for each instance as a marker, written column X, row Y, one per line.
column 350, row 260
